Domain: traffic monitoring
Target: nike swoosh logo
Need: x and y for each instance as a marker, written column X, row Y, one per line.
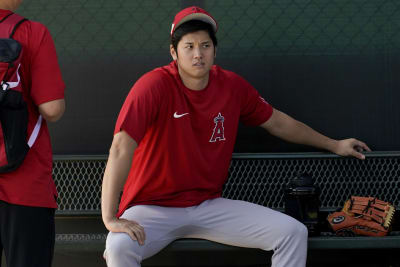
column 177, row 116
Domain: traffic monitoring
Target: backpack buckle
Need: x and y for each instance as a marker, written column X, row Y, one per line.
column 5, row 86
column 3, row 92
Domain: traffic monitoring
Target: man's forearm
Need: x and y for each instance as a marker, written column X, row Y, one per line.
column 289, row 129
column 300, row 133
column 116, row 172
column 113, row 183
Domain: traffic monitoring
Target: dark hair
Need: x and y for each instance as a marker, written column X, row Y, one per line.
column 189, row 27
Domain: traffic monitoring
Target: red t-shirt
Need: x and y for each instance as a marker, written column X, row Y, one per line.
column 185, row 137
column 32, row 183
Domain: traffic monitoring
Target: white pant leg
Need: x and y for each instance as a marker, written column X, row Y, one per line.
column 244, row 224
column 162, row 225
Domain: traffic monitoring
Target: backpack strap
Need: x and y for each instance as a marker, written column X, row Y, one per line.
column 8, row 85
column 16, row 27
column 35, row 132
column 3, row 19
column 9, row 24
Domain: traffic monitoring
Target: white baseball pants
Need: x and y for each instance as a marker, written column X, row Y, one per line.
column 226, row 221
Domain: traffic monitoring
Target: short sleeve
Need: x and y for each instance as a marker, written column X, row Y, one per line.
column 46, row 80
column 141, row 107
column 255, row 110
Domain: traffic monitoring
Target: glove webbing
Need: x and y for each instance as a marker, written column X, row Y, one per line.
column 375, row 215
column 370, row 209
column 368, row 201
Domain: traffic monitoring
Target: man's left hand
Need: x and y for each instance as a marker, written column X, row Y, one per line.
column 351, row 147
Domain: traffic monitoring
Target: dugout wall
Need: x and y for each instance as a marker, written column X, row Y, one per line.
column 332, row 64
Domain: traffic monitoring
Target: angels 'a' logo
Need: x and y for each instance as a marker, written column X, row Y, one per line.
column 218, row 132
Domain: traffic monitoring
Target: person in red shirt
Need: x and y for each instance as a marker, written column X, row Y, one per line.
column 28, row 194
column 173, row 142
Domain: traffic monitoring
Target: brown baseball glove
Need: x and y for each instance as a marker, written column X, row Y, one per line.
column 362, row 216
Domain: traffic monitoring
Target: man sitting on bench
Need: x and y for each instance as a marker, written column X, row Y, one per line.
column 171, row 151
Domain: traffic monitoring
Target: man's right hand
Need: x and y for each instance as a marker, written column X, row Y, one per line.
column 132, row 228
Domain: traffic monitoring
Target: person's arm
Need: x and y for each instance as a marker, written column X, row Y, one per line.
column 289, row 129
column 53, row 110
column 115, row 175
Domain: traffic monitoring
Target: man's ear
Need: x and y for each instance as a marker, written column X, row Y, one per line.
column 173, row 52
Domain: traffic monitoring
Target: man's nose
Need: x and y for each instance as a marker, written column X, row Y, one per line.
column 197, row 52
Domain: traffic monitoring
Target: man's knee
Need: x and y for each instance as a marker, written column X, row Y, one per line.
column 294, row 230
column 297, row 230
column 301, row 231
column 120, row 248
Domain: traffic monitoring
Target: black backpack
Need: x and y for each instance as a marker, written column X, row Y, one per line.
column 13, row 110
column 302, row 202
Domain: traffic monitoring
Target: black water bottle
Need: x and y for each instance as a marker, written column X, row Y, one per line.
column 302, row 202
